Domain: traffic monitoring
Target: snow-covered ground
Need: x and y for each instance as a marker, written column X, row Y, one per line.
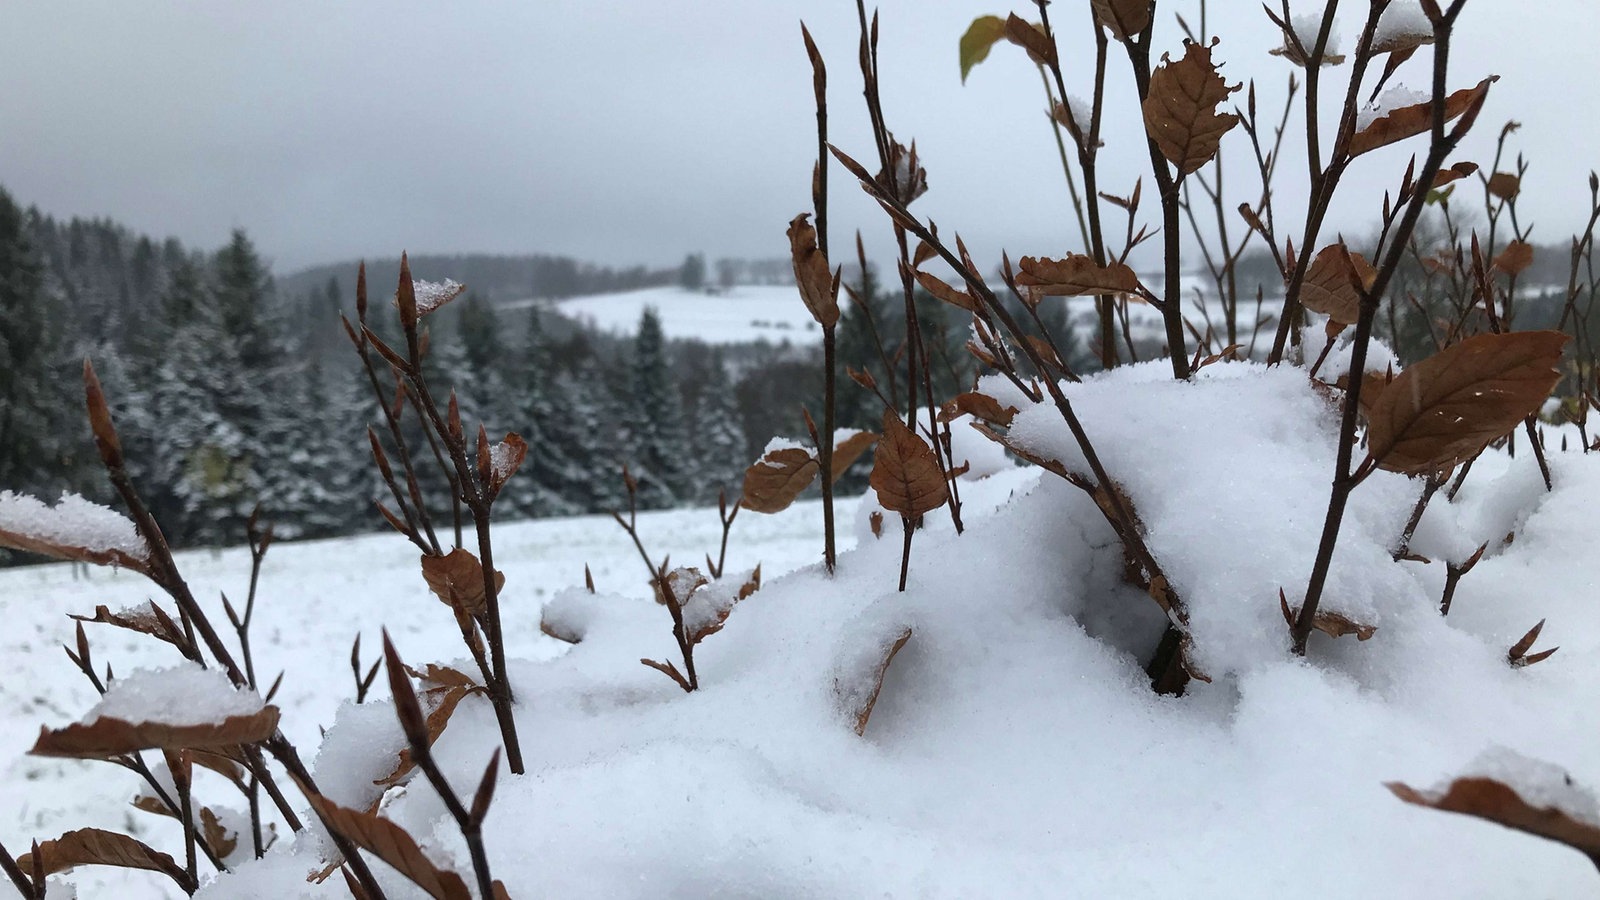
column 314, row 598
column 744, row 313
column 1016, row 748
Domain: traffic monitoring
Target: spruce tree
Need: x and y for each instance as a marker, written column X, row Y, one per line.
column 657, row 440
column 717, row 436
column 31, row 400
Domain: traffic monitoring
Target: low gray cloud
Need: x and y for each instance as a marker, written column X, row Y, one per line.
column 639, row 131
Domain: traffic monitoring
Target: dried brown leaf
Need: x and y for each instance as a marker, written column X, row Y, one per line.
column 1123, row 18
column 392, row 844
column 142, row 619
column 862, row 711
column 457, row 579
column 948, row 294
column 220, row 839
column 444, row 700
column 1505, row 185
column 776, row 479
column 818, row 288
column 1409, row 121
column 1329, row 286
column 1448, row 407
column 1075, row 275
column 1180, row 111
column 1031, row 38
column 1516, row 257
column 1494, row 801
column 56, row 548
column 106, row 737
column 1453, row 173
column 905, row 472
column 978, row 405
column 847, row 451
column 98, row 847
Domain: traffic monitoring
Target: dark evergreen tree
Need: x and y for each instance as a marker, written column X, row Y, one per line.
column 550, row 482
column 692, row 274
column 31, row 402
column 657, row 441
column 718, row 438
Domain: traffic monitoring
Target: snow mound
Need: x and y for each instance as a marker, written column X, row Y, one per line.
column 73, row 521
column 184, row 695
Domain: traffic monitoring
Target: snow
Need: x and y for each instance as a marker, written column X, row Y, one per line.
column 736, row 315
column 1015, row 748
column 782, row 443
column 1308, row 26
column 184, row 695
column 433, row 294
column 1082, row 113
column 1403, row 24
column 1394, row 97
column 73, row 521
column 1540, row 784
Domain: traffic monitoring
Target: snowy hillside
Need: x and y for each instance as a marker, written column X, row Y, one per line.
column 1016, row 748
column 744, row 313
column 315, row 597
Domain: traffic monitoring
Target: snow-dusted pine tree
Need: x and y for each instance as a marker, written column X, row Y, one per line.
column 657, row 442
column 717, row 436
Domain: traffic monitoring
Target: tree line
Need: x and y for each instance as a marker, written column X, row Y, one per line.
column 231, row 391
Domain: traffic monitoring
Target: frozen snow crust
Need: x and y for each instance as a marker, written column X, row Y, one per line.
column 1016, row 748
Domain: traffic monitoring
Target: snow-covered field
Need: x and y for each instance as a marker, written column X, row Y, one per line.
column 1016, row 748
column 745, row 313
column 314, row 598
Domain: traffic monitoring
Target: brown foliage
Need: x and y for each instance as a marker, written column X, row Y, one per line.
column 392, row 844
column 1447, row 408
column 1180, row 112
column 948, row 294
column 1031, row 38
column 1075, row 275
column 1517, row 256
column 1487, row 798
column 98, row 847
column 147, row 619
column 56, row 549
column 847, row 451
column 1123, row 18
column 1330, row 283
column 107, row 737
column 819, row 287
column 863, row 711
column 457, row 579
column 1409, row 121
column 776, row 479
column 905, row 472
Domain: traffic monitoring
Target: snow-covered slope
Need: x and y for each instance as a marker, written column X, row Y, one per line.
column 739, row 314
column 1016, row 748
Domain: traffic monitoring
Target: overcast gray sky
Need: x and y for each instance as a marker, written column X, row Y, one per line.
column 635, row 131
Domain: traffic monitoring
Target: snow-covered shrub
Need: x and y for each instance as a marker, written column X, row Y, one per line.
column 1182, row 650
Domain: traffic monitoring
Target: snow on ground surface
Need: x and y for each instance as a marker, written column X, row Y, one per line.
column 314, row 598
column 1015, row 748
column 743, row 313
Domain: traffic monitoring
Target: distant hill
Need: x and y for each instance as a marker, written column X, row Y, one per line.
column 497, row 277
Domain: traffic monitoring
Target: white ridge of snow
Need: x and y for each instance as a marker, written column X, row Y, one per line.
column 433, row 294
column 1394, row 97
column 73, row 521
column 1539, row 783
column 1403, row 24
column 183, row 695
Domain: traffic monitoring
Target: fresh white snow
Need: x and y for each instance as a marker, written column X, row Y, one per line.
column 73, row 521
column 1015, row 748
column 736, row 315
column 182, row 695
